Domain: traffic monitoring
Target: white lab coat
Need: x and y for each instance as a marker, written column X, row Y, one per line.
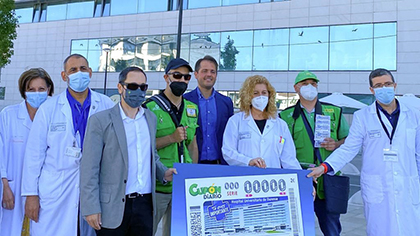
column 390, row 189
column 48, row 172
column 15, row 124
column 243, row 141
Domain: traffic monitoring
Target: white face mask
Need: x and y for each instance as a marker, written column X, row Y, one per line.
column 260, row 102
column 308, row 92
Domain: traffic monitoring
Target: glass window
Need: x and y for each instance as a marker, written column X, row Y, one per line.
column 122, row 7
column 200, row 3
column 236, row 2
column 107, row 8
column 56, row 12
column 79, row 45
column 43, row 15
column 148, row 52
column 385, row 46
column 152, row 6
column 236, row 50
column 203, row 44
column 24, row 14
column 185, row 48
column 271, row 49
column 122, row 53
column 98, row 8
column 37, row 13
column 96, row 55
column 309, row 48
column 168, row 50
column 351, row 47
column 80, row 10
column 175, row 3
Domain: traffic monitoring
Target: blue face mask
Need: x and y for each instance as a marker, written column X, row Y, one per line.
column 79, row 81
column 35, row 99
column 384, row 95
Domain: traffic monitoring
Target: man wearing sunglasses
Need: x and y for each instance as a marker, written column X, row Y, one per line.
column 175, row 136
column 120, row 163
column 214, row 112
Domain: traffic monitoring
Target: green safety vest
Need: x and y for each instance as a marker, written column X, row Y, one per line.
column 165, row 126
column 304, row 147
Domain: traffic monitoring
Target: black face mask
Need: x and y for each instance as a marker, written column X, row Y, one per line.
column 178, row 88
column 134, row 98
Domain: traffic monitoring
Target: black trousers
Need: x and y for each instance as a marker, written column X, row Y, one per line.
column 137, row 219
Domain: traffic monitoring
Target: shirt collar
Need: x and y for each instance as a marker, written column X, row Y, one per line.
column 313, row 110
column 200, row 95
column 397, row 110
column 139, row 114
column 72, row 100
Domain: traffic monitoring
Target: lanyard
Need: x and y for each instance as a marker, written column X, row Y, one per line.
column 394, row 127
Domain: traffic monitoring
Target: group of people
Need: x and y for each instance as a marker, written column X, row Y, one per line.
column 81, row 165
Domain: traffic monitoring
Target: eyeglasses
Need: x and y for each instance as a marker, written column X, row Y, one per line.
column 386, row 84
column 178, row 75
column 134, row 86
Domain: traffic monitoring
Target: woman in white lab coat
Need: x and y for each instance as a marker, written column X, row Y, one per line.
column 35, row 85
column 256, row 136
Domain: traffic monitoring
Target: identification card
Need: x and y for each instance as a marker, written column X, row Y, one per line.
column 73, row 152
column 390, row 155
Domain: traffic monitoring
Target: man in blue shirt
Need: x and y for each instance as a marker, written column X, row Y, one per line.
column 214, row 112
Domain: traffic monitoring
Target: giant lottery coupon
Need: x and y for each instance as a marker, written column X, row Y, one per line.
column 244, row 205
column 247, row 204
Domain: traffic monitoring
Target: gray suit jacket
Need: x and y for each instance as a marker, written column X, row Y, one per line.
column 104, row 166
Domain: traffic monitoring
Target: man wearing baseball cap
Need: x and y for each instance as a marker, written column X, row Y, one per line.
column 177, row 120
column 300, row 118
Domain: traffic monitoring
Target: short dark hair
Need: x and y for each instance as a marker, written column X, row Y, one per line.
column 379, row 72
column 205, row 58
column 27, row 76
column 123, row 74
column 76, row 55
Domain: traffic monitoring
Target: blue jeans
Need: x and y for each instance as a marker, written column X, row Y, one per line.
column 328, row 222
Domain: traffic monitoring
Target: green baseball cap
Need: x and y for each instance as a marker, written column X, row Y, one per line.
column 304, row 75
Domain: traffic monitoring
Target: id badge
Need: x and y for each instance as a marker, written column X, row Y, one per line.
column 73, row 152
column 390, row 155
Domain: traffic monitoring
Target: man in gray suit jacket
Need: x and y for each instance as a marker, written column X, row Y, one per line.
column 120, row 163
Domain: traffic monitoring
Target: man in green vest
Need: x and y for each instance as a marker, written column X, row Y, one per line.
column 303, row 115
column 175, row 134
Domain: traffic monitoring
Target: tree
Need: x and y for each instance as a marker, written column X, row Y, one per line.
column 8, row 24
column 229, row 55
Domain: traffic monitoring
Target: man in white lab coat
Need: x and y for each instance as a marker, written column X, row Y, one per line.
column 390, row 134
column 51, row 167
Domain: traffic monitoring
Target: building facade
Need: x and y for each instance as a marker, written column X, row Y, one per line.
column 340, row 40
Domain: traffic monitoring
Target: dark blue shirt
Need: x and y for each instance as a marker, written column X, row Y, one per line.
column 80, row 115
column 208, row 116
column 393, row 118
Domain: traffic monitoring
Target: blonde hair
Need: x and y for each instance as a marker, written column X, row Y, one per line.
column 246, row 95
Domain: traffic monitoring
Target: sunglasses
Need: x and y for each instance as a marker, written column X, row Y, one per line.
column 178, row 75
column 134, row 86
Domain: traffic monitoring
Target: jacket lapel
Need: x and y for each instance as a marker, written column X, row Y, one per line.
column 251, row 123
column 119, row 131
column 94, row 102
